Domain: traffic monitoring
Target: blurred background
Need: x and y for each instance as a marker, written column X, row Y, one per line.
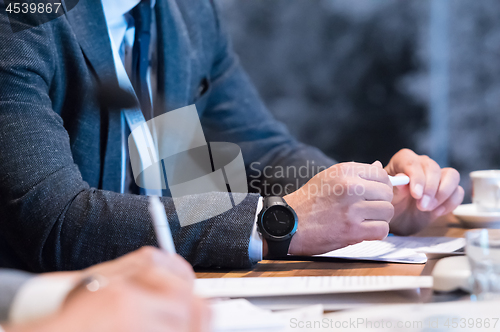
column 361, row 79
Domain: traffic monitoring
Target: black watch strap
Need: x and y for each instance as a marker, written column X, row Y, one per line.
column 277, row 249
column 273, row 200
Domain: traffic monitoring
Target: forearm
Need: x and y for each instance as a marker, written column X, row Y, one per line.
column 99, row 226
column 286, row 169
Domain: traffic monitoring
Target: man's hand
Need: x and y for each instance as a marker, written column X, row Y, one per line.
column 147, row 291
column 141, row 259
column 343, row 205
column 432, row 191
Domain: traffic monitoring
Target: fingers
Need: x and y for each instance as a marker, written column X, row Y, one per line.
column 201, row 320
column 450, row 178
column 373, row 210
column 438, row 185
column 178, row 266
column 189, row 314
column 162, row 281
column 376, row 191
column 373, row 230
column 171, row 313
column 417, row 179
column 147, row 257
column 432, row 179
column 181, row 310
column 429, row 184
column 374, row 217
column 450, row 204
column 378, row 164
column 407, row 162
column 373, row 172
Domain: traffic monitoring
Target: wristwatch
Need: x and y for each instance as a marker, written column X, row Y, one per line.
column 277, row 223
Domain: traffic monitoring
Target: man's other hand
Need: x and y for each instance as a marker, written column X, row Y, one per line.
column 433, row 191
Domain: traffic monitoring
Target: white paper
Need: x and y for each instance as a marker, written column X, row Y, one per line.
column 280, row 286
column 447, row 316
column 241, row 315
column 234, row 315
column 339, row 301
column 398, row 249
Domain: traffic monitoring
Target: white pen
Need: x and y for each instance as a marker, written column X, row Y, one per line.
column 399, row 180
column 160, row 222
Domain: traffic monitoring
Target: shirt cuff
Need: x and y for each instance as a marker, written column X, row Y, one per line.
column 40, row 297
column 255, row 245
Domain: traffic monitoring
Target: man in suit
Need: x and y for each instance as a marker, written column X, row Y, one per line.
column 64, row 198
column 146, row 290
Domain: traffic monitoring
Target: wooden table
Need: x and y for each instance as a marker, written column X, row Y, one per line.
column 446, row 226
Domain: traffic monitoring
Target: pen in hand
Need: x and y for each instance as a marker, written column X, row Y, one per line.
column 161, row 226
column 399, row 180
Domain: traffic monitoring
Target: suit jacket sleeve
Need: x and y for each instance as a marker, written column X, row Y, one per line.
column 235, row 112
column 10, row 283
column 50, row 218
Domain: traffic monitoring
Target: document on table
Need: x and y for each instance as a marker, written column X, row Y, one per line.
column 241, row 315
column 398, row 249
column 445, row 316
column 339, row 301
column 280, row 286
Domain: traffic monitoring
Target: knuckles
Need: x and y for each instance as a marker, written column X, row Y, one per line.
column 431, row 164
column 151, row 257
column 426, row 159
column 406, row 152
column 148, row 255
column 453, row 173
column 387, row 194
column 353, row 215
column 389, row 210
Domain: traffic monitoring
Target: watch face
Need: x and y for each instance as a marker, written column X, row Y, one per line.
column 278, row 221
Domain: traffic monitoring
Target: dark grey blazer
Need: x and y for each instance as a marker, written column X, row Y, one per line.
column 60, row 151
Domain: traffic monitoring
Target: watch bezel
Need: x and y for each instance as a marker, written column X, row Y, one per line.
column 269, row 236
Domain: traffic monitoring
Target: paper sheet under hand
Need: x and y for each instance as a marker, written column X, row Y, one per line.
column 398, row 249
column 280, row 286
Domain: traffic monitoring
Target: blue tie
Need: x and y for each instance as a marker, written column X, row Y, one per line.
column 140, row 55
column 142, row 14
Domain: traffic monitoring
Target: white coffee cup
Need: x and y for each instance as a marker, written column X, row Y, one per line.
column 486, row 190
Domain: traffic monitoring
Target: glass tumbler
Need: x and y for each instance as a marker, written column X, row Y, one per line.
column 483, row 252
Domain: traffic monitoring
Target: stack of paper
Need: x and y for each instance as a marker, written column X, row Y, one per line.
column 260, row 287
column 398, row 249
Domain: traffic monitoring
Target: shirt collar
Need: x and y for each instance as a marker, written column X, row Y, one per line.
column 115, row 9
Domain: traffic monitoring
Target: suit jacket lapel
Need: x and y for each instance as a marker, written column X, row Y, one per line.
column 174, row 63
column 89, row 25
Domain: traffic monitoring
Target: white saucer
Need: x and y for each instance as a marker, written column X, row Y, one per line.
column 470, row 217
